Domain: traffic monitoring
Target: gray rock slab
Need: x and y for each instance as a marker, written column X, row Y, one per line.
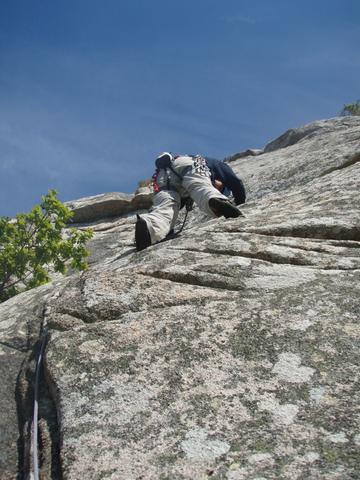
column 21, row 317
column 295, row 135
column 250, row 152
column 10, row 364
column 293, row 166
column 21, row 320
column 230, row 352
column 182, row 390
column 108, row 205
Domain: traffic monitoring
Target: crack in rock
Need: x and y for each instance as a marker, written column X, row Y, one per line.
column 348, row 163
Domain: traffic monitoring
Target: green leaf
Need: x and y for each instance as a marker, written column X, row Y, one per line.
column 34, row 242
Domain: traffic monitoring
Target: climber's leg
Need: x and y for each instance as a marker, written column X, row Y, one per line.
column 197, row 182
column 154, row 226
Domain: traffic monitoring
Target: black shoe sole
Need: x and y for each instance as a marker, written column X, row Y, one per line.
column 142, row 234
column 223, row 208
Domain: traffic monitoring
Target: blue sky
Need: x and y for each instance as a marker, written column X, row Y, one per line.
column 92, row 90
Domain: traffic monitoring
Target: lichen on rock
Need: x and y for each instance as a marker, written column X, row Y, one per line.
column 230, row 352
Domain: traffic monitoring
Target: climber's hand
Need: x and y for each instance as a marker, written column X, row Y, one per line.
column 218, row 185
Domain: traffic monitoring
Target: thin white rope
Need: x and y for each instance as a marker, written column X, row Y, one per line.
column 35, row 447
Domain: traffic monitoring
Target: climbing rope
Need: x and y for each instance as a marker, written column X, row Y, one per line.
column 172, row 234
column 183, row 224
column 35, row 448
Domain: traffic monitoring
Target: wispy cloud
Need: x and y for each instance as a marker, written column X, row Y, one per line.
column 239, row 18
column 87, row 112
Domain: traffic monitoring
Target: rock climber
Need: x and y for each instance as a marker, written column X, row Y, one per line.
column 183, row 177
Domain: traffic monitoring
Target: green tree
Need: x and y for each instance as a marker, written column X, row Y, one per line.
column 351, row 108
column 34, row 243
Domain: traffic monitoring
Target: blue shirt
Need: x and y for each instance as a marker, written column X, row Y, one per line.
column 221, row 171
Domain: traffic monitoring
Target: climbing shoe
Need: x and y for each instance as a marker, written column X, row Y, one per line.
column 223, row 208
column 142, row 234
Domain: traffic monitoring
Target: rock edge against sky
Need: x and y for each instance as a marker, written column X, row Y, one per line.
column 229, row 353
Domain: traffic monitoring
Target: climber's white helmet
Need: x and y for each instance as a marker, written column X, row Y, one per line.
column 164, row 160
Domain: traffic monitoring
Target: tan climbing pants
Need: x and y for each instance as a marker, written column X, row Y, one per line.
column 189, row 177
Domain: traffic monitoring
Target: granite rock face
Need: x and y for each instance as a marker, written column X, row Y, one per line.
column 230, row 352
column 109, row 205
column 250, row 152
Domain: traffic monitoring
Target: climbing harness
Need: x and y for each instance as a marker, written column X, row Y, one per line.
column 34, row 442
column 165, row 163
column 168, row 171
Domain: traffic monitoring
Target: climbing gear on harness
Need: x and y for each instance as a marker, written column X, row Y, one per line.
column 223, row 208
column 167, row 170
column 164, row 164
column 142, row 234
